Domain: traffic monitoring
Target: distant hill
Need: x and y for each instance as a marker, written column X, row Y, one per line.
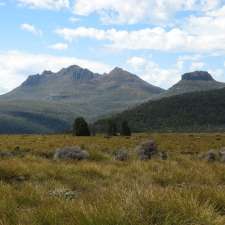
column 192, row 82
column 198, row 111
column 49, row 102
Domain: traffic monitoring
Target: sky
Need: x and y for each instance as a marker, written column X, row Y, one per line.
column 158, row 40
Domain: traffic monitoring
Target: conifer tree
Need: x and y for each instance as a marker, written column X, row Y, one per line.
column 80, row 127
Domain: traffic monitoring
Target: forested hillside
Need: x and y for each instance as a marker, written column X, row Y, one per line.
column 199, row 111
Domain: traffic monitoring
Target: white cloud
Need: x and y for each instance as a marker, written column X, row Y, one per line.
column 31, row 28
column 15, row 66
column 220, row 12
column 83, row 32
column 156, row 38
column 59, row 46
column 136, row 62
column 218, row 74
column 206, row 25
column 193, row 60
column 133, row 11
column 205, row 33
column 153, row 73
column 45, row 4
column 197, row 66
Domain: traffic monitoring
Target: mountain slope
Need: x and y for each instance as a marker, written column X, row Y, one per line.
column 73, row 92
column 198, row 111
column 75, row 84
column 192, row 82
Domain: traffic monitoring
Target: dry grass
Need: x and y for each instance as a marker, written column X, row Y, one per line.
column 183, row 190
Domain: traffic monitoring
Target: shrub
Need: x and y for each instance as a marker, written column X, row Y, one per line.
column 80, row 127
column 121, row 155
column 147, row 149
column 71, row 153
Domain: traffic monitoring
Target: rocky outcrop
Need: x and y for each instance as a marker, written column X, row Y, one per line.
column 198, row 75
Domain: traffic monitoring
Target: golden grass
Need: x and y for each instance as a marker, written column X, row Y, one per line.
column 101, row 191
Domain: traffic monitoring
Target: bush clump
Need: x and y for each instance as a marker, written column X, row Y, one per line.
column 147, row 149
column 71, row 153
column 80, row 127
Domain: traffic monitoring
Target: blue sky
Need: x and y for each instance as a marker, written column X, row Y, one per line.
column 156, row 39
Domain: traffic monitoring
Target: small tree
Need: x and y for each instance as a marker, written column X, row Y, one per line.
column 80, row 127
column 112, row 128
column 125, row 129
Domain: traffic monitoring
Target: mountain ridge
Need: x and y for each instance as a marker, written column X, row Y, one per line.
column 74, row 91
column 66, row 80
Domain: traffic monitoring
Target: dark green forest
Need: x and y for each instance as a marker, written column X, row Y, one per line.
column 198, row 111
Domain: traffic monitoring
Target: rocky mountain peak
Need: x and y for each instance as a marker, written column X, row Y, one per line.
column 119, row 73
column 32, row 80
column 198, row 75
column 47, row 72
column 117, row 70
column 77, row 73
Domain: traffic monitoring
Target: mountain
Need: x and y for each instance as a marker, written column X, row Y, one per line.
column 77, row 85
column 192, row 82
column 50, row 101
column 191, row 112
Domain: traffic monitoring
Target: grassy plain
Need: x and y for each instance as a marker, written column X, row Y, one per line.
column 183, row 190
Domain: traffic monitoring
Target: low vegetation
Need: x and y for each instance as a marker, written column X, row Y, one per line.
column 112, row 186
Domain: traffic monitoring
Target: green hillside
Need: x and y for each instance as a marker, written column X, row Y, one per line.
column 199, row 111
column 34, row 117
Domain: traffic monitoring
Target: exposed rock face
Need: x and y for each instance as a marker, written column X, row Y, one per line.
column 71, row 153
column 77, row 73
column 70, row 74
column 198, row 75
column 32, row 80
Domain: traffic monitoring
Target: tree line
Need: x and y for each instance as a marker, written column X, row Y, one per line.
column 81, row 128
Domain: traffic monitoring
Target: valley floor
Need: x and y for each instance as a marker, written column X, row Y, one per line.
column 183, row 190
